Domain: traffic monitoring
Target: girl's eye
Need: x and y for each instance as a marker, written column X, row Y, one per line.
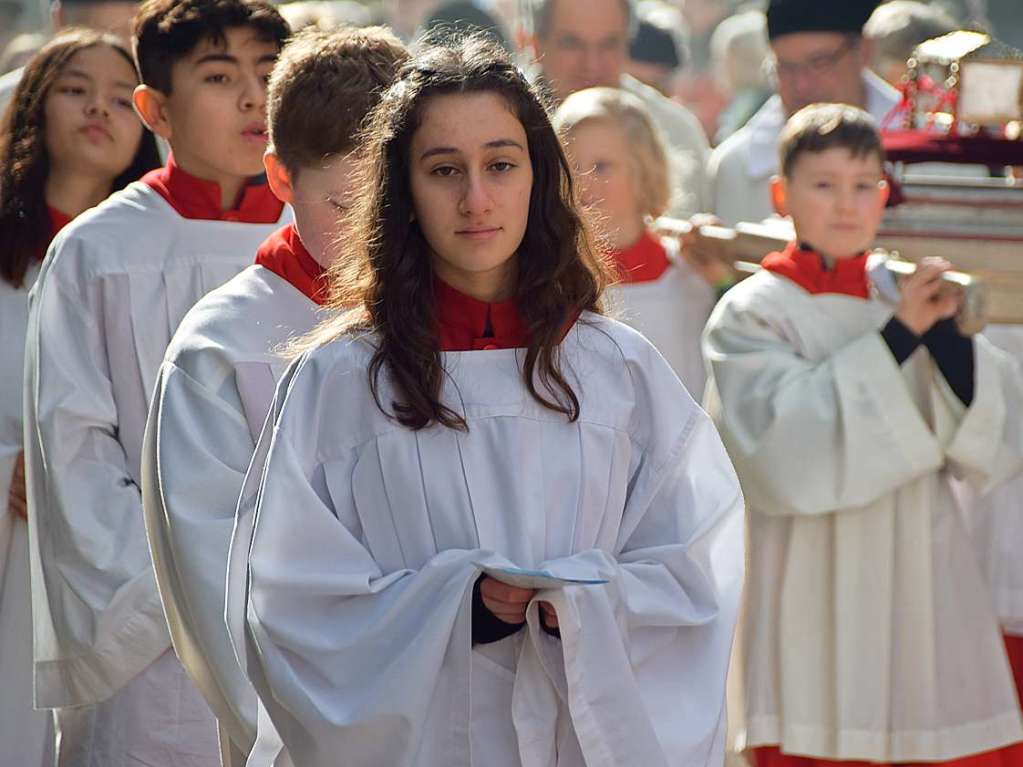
column 123, row 103
column 822, row 185
column 501, row 166
column 216, row 79
column 444, row 171
column 74, row 90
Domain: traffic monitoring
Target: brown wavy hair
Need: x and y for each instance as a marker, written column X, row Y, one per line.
column 25, row 163
column 387, row 276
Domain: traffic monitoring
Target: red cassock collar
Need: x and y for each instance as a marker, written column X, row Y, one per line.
column 806, row 268
column 198, row 199
column 284, row 254
column 467, row 324
column 644, row 261
column 58, row 220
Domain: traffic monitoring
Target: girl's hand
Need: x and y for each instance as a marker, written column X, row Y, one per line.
column 548, row 615
column 507, row 603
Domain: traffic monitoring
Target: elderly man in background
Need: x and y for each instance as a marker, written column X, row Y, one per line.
column 585, row 43
column 820, row 55
column 103, row 15
column 896, row 28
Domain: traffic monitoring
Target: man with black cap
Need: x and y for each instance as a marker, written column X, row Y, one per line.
column 102, row 15
column 820, row 55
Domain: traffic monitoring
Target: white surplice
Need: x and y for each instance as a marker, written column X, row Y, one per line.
column 867, row 629
column 367, row 540
column 996, row 517
column 23, row 731
column 671, row 312
column 213, row 394
column 111, row 292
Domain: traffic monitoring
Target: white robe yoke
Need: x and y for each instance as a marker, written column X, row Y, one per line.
column 368, row 538
column 214, row 390
column 867, row 629
column 671, row 312
column 114, row 287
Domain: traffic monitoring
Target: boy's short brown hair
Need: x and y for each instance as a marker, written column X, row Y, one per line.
column 323, row 86
column 168, row 30
column 820, row 127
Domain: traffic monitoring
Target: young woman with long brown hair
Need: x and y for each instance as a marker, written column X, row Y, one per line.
column 67, row 140
column 492, row 527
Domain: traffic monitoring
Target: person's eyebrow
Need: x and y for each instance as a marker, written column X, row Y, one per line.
column 78, row 73
column 501, row 143
column 498, row 143
column 223, row 58
column 267, row 58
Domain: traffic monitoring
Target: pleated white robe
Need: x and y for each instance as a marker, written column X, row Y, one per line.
column 996, row 517
column 368, row 536
column 23, row 731
column 213, row 394
column 671, row 312
column 868, row 633
column 112, row 290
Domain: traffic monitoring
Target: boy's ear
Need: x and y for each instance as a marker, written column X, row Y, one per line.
column 779, row 195
column 151, row 106
column 884, row 190
column 278, row 177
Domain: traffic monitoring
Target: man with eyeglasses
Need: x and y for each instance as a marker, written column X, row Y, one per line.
column 819, row 55
column 585, row 43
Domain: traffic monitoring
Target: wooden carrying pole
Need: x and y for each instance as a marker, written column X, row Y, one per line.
column 991, row 273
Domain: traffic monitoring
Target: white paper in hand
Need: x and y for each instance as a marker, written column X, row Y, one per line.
column 534, row 579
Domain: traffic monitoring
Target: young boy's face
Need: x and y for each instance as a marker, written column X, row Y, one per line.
column 836, row 200
column 217, row 106
column 601, row 157
column 321, row 198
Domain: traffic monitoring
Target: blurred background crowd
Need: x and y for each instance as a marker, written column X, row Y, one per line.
column 711, row 56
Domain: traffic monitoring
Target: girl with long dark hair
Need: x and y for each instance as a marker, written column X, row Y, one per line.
column 67, row 140
column 492, row 527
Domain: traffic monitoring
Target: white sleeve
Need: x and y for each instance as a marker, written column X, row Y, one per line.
column 96, row 611
column 195, row 454
column 350, row 661
column 985, row 441
column 643, row 660
column 813, row 437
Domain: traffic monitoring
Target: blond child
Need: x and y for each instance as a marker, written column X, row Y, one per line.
column 621, row 167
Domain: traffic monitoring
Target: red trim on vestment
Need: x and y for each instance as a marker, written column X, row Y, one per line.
column 1014, row 649
column 284, row 254
column 806, row 268
column 644, row 261
column 771, row 756
column 199, row 199
column 467, row 324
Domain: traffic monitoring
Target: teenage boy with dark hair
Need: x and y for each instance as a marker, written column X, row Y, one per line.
column 113, row 288
column 217, row 380
column 848, row 403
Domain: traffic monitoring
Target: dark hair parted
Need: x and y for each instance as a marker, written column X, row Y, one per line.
column 166, row 31
column 323, row 86
column 24, row 160
column 387, row 276
column 820, row 127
